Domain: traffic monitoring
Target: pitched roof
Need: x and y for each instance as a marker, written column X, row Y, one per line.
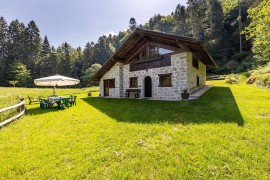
column 140, row 36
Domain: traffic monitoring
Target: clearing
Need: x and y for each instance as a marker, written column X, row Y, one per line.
column 223, row 134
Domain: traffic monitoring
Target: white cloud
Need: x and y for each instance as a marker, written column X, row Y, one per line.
column 111, row 32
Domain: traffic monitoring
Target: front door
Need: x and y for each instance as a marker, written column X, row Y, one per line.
column 148, row 87
column 198, row 81
column 106, row 87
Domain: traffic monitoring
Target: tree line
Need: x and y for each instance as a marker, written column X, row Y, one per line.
column 24, row 55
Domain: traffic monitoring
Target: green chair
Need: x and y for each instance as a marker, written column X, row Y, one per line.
column 64, row 102
column 43, row 104
column 72, row 100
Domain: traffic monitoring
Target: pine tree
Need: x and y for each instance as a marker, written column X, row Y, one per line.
column 53, row 60
column 16, row 42
column 181, row 20
column 132, row 24
column 33, row 45
column 196, row 10
column 45, row 65
column 65, row 62
column 3, row 48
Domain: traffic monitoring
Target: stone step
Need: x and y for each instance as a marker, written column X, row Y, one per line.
column 200, row 92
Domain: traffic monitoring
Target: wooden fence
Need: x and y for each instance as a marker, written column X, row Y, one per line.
column 20, row 108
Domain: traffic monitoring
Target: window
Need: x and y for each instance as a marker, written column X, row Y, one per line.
column 195, row 62
column 151, row 52
column 110, row 83
column 165, row 80
column 133, row 82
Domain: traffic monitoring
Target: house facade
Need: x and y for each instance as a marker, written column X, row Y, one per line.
column 154, row 65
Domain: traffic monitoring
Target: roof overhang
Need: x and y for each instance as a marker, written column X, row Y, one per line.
column 141, row 36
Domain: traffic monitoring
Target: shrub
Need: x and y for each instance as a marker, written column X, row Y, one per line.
column 232, row 79
column 262, row 76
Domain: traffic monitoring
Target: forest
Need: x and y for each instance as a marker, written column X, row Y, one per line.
column 236, row 34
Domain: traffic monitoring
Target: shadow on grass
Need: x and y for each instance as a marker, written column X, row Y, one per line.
column 216, row 106
column 37, row 110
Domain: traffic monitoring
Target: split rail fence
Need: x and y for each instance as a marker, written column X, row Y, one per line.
column 20, row 108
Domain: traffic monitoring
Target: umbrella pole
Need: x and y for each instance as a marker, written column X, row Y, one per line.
column 54, row 90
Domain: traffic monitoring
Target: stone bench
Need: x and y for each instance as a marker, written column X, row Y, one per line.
column 135, row 91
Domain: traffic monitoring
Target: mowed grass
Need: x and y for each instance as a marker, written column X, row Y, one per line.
column 224, row 134
column 10, row 96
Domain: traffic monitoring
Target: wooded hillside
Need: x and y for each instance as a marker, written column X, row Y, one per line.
column 24, row 55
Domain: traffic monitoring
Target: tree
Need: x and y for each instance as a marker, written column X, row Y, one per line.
column 181, row 20
column 258, row 30
column 16, row 42
column 90, row 72
column 33, row 48
column 45, row 65
column 103, row 49
column 65, row 62
column 53, row 60
column 132, row 24
column 3, row 48
column 19, row 72
column 196, row 10
column 215, row 19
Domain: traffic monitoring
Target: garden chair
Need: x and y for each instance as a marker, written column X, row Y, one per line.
column 43, row 104
column 73, row 100
column 64, row 102
column 33, row 99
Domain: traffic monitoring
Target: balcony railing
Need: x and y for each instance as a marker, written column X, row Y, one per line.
column 154, row 62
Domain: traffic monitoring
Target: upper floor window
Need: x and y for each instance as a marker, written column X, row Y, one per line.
column 133, row 82
column 150, row 52
column 195, row 62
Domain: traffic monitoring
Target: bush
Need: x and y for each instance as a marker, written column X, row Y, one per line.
column 232, row 79
column 262, row 76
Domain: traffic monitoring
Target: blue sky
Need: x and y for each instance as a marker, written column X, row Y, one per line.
column 80, row 21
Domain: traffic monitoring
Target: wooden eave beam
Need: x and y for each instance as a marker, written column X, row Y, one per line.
column 166, row 46
column 187, row 49
column 132, row 50
column 130, row 58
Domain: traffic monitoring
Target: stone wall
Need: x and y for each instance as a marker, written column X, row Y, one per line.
column 184, row 76
column 194, row 72
column 178, row 69
column 114, row 73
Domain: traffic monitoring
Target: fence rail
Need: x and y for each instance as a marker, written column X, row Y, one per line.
column 21, row 108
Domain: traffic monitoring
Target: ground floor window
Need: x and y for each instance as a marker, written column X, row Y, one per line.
column 110, row 83
column 165, row 80
column 133, row 82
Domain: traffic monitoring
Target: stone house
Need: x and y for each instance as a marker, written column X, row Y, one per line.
column 154, row 65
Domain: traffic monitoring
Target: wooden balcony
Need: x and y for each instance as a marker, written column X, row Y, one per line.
column 154, row 62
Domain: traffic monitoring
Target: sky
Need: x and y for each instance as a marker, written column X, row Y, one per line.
column 80, row 21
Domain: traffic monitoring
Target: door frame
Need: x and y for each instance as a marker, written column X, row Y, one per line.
column 148, row 83
column 106, row 85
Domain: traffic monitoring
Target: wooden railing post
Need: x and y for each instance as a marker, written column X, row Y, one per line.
column 20, row 108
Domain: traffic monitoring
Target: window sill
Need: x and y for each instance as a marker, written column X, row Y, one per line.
column 165, row 86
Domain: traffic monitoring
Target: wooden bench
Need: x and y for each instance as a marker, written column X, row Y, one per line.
column 135, row 91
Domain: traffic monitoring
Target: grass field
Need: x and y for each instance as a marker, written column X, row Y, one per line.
column 222, row 135
column 9, row 96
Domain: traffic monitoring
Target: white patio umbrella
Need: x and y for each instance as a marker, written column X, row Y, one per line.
column 56, row 80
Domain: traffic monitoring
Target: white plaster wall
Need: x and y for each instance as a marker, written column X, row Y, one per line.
column 179, row 70
column 113, row 73
column 194, row 72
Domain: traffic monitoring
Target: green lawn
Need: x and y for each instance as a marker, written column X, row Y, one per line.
column 224, row 134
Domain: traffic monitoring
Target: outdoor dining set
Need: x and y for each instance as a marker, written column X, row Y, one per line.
column 59, row 102
column 55, row 101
